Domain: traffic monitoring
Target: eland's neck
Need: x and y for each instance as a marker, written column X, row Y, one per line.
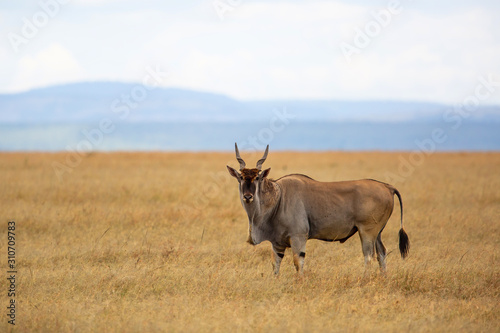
column 261, row 212
column 263, row 208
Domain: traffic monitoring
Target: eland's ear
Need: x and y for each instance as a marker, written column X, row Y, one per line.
column 233, row 172
column 265, row 173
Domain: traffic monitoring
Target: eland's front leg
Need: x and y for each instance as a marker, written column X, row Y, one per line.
column 278, row 254
column 298, row 245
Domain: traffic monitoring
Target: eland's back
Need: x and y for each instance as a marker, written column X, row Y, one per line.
column 336, row 210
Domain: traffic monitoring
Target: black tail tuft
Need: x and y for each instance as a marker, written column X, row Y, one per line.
column 404, row 243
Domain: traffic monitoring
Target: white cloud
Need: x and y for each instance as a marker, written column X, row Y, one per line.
column 300, row 12
column 52, row 65
column 94, row 2
column 283, row 50
column 269, row 49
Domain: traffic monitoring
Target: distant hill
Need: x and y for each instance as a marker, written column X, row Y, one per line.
column 129, row 102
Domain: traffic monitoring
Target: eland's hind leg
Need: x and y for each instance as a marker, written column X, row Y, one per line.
column 381, row 253
column 368, row 247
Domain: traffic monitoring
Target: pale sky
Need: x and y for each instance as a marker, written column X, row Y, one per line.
column 357, row 50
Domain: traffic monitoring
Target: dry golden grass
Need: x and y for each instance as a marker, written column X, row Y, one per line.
column 147, row 242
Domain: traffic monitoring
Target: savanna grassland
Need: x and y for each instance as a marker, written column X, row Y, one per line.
column 150, row 242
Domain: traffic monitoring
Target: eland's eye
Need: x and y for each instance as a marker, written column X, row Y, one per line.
column 257, row 178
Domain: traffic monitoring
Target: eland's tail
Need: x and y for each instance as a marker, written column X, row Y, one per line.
column 404, row 241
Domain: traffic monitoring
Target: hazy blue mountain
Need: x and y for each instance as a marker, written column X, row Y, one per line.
column 129, row 102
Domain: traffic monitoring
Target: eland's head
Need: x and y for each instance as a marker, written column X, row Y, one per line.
column 249, row 180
